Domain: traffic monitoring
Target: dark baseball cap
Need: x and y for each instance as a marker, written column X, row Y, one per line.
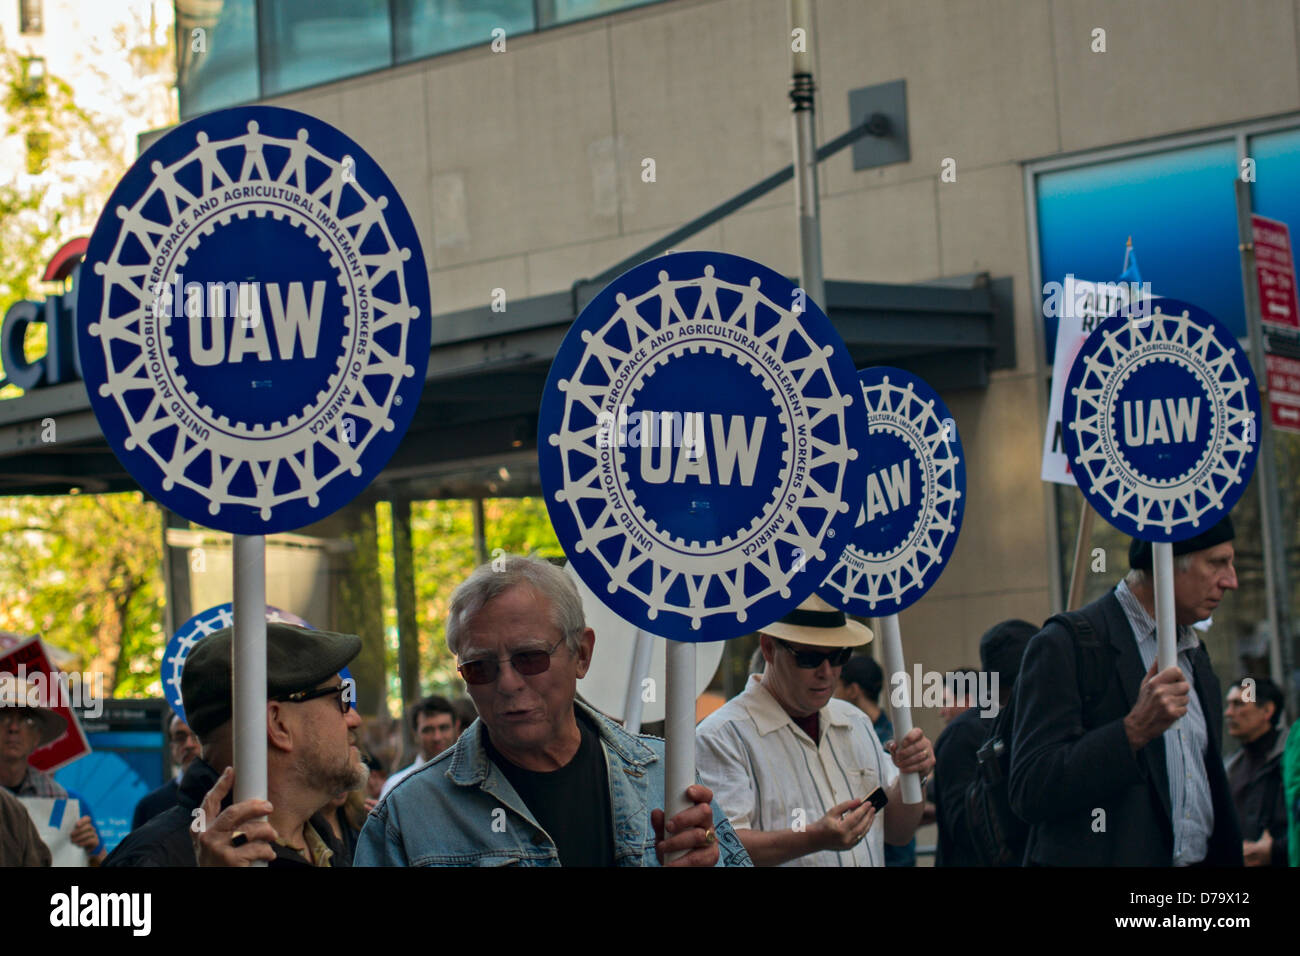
column 297, row 658
column 1139, row 552
column 1002, row 647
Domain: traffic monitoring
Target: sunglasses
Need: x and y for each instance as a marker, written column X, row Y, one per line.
column 525, row 663
column 338, row 690
column 811, row 660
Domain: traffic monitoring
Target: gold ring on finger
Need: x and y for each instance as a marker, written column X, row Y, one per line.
column 709, row 837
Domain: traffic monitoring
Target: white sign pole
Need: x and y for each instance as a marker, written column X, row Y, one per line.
column 248, row 667
column 1162, row 553
column 642, row 653
column 891, row 649
column 679, row 729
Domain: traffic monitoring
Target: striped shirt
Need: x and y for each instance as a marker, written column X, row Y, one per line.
column 1186, row 742
column 767, row 774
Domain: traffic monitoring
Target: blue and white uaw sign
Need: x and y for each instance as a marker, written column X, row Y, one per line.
column 915, row 498
column 194, row 630
column 699, row 446
column 1161, row 424
column 1161, row 419
column 254, row 320
column 908, row 523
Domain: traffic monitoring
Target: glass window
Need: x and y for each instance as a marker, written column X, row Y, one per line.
column 551, row 12
column 305, row 43
column 30, row 19
column 427, row 27
column 1277, row 173
column 216, row 54
column 1180, row 208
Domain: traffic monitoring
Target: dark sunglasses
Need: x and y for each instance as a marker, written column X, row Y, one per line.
column 525, row 663
column 811, row 660
column 338, row 690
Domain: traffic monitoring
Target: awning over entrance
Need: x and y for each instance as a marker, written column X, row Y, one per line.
column 475, row 433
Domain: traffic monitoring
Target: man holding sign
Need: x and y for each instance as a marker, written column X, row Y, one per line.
column 794, row 768
column 1114, row 768
column 539, row 779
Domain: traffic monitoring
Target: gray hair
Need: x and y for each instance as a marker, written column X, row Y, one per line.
column 493, row 579
column 1139, row 577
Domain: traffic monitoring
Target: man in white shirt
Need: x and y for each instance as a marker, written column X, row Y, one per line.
column 436, row 725
column 792, row 766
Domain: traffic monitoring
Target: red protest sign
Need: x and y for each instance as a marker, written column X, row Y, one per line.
column 1284, row 392
column 28, row 679
column 1275, row 273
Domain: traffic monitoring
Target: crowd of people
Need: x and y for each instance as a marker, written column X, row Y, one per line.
column 1095, row 756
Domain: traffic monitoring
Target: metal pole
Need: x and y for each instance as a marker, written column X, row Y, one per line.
column 408, row 626
column 480, row 533
column 248, row 667
column 642, row 653
column 891, row 649
column 679, row 729
column 802, row 96
column 1081, row 542
column 1166, row 626
column 1270, row 505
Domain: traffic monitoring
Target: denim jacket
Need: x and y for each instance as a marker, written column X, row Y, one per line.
column 460, row 810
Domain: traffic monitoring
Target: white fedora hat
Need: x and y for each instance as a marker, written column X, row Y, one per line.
column 817, row 623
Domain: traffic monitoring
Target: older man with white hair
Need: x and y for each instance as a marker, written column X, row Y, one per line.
column 540, row 779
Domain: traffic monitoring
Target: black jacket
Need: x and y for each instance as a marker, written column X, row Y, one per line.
column 1258, row 794
column 154, row 803
column 1067, row 765
column 165, row 840
column 955, row 768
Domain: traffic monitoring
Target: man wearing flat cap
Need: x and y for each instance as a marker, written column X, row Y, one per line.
column 310, row 759
column 1114, row 763
column 791, row 765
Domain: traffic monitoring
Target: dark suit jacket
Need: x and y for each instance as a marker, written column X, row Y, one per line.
column 155, row 802
column 1066, row 765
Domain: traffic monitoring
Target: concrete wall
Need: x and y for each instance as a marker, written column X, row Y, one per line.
column 523, row 171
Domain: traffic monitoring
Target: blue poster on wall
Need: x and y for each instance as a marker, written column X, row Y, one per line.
column 1177, row 206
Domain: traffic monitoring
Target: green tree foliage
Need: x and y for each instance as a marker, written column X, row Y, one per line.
column 442, row 539
column 83, row 572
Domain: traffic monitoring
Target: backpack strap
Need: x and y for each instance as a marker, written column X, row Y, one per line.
column 1092, row 662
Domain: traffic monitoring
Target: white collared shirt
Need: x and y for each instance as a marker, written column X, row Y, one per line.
column 767, row 774
column 1186, row 741
column 401, row 775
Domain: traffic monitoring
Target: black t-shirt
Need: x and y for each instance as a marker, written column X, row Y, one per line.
column 572, row 803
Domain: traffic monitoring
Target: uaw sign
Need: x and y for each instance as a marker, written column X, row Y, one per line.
column 194, row 630
column 698, row 446
column 253, row 320
column 1162, row 421
column 915, row 498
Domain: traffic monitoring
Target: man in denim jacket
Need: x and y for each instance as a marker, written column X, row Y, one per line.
column 539, row 779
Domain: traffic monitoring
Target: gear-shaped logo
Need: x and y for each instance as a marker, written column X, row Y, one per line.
column 698, row 446
column 253, row 320
column 194, row 630
column 1160, row 418
column 915, row 498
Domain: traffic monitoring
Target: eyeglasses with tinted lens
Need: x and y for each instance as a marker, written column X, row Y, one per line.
column 811, row 660
column 525, row 663
column 339, row 690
